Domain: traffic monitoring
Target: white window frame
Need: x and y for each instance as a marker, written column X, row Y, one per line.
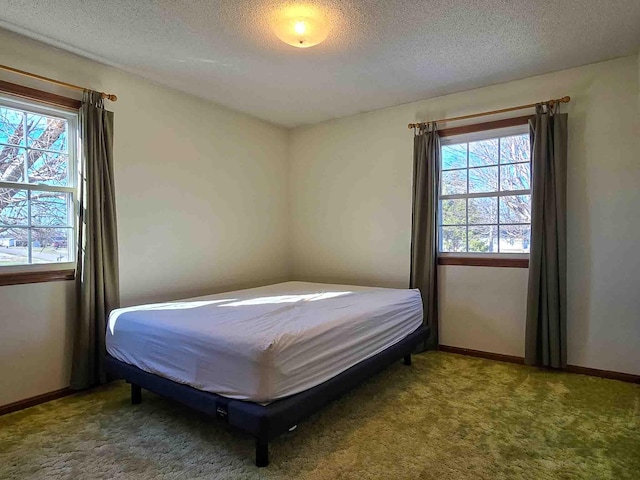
column 472, row 137
column 33, row 106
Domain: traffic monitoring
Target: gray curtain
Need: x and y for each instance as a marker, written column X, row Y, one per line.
column 546, row 327
column 97, row 287
column 424, row 239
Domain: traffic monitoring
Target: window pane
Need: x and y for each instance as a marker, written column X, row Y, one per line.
column 14, row 210
column 514, row 238
column 11, row 126
column 454, row 156
column 46, row 133
column 484, row 152
column 515, row 149
column 454, row 239
column 515, row 209
column 483, row 239
column 483, row 210
column 454, row 182
column 48, row 168
column 50, row 209
column 13, row 246
column 51, row 245
column 495, row 219
column 12, row 164
column 35, row 226
column 482, row 180
column 515, row 177
column 454, row 212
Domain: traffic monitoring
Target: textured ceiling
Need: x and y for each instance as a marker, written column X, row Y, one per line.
column 378, row 53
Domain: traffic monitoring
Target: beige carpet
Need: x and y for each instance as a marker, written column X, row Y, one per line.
column 447, row 417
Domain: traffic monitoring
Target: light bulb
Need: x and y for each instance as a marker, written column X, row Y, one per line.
column 300, row 27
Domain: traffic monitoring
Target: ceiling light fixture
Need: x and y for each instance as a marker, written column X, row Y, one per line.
column 301, row 32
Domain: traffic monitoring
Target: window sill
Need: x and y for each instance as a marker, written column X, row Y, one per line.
column 21, row 278
column 485, row 262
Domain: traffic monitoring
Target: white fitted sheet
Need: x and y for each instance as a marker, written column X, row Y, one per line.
column 264, row 343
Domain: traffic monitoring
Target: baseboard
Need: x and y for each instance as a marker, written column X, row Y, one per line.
column 37, row 400
column 593, row 372
column 478, row 353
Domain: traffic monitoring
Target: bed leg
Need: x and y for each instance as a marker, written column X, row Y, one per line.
column 136, row 394
column 262, row 452
column 407, row 359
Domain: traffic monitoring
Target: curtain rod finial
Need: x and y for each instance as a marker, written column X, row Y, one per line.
column 110, row 96
column 566, row 99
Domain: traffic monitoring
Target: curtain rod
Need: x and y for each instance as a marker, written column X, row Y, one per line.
column 566, row 99
column 108, row 96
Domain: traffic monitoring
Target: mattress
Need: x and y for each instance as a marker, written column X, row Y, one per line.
column 265, row 343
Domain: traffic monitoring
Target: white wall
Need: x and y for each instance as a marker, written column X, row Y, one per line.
column 350, row 186
column 35, row 339
column 483, row 308
column 201, row 208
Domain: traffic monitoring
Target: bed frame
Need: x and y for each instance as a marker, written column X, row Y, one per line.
column 265, row 422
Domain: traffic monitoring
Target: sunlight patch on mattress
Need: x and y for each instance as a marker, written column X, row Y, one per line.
column 180, row 305
column 311, row 297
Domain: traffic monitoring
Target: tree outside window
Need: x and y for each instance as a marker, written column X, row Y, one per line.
column 37, row 184
column 485, row 195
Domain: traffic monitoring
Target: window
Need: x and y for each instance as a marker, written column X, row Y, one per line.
column 37, row 184
column 485, row 192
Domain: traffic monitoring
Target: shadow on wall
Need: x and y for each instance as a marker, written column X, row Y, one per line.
column 579, row 252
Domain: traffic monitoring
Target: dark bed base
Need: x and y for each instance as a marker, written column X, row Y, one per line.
column 265, row 422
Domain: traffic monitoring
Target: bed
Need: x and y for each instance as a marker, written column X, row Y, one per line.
column 265, row 358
